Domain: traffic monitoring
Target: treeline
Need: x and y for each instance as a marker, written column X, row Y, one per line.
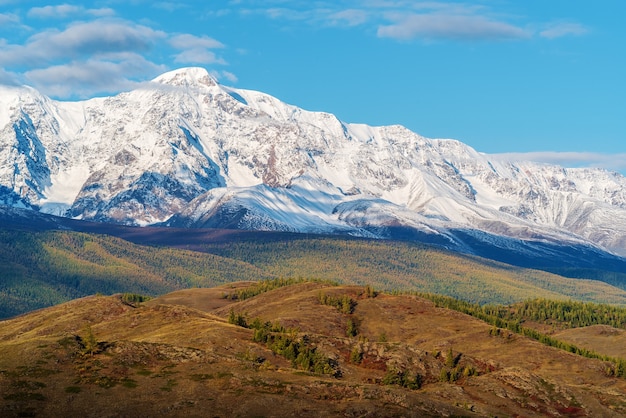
column 573, row 314
column 266, row 285
column 503, row 317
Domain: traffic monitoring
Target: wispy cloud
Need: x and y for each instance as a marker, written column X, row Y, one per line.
column 7, row 78
column 196, row 49
column 223, row 75
column 187, row 41
column 349, row 17
column 62, row 11
column 198, row 56
column 449, row 26
column 426, row 20
column 564, row 29
column 170, row 6
column 8, row 18
column 615, row 162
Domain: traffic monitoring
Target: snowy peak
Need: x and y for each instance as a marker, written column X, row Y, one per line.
column 191, row 152
column 187, row 77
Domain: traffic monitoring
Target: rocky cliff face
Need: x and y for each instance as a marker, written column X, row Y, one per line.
column 187, row 151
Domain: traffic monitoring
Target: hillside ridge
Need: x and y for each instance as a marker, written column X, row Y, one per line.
column 200, row 349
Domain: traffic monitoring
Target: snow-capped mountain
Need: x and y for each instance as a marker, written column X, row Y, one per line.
column 184, row 150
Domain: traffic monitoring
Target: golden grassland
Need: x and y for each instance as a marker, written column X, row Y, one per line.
column 178, row 355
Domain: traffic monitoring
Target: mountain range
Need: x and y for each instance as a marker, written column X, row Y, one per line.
column 186, row 151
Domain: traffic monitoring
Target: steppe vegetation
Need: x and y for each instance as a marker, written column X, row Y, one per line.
column 286, row 351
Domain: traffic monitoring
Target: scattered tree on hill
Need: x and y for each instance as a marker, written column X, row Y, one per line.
column 370, row 292
column 356, row 355
column 90, row 344
column 451, row 359
column 237, row 319
column 345, row 304
column 351, row 328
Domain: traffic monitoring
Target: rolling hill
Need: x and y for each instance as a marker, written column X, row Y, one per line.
column 288, row 351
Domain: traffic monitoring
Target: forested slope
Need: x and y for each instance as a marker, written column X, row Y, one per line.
column 40, row 269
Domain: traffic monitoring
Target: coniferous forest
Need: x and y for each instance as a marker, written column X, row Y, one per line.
column 40, row 269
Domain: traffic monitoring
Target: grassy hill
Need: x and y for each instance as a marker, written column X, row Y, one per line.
column 288, row 351
column 39, row 269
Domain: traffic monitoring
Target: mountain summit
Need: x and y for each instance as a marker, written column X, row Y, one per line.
column 190, row 77
column 187, row 151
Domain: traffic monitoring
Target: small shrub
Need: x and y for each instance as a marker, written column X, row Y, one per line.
column 356, row 355
column 129, row 383
column 201, row 377
column 401, row 378
column 25, row 396
column 444, row 375
column 169, row 385
column 134, row 298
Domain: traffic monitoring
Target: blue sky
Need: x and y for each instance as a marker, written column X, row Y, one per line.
column 544, row 77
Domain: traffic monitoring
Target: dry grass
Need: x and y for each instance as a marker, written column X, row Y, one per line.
column 600, row 338
column 178, row 356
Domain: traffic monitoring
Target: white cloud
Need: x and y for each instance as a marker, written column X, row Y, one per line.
column 229, row 76
column 223, row 75
column 93, row 76
column 196, row 49
column 102, row 12
column 449, row 26
column 564, row 29
column 430, row 20
column 187, row 41
column 170, row 6
column 85, row 58
column 66, row 10
column 350, row 17
column 80, row 40
column 198, row 56
column 8, row 79
column 100, row 56
column 570, row 159
column 8, row 18
column 60, row 11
